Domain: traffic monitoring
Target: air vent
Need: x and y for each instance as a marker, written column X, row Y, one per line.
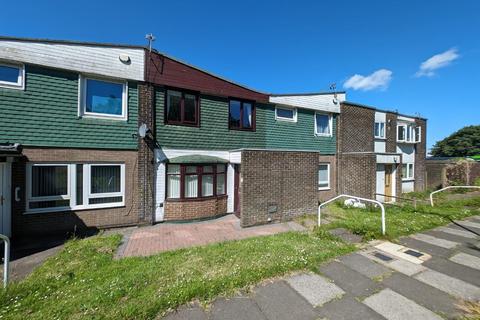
column 413, row 253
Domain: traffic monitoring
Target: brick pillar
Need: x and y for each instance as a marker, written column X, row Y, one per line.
column 391, row 133
column 146, row 157
column 420, row 156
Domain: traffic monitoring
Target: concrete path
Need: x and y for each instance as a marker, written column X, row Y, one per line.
column 424, row 276
column 150, row 240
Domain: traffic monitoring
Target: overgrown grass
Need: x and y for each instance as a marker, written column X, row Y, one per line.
column 84, row 282
column 400, row 220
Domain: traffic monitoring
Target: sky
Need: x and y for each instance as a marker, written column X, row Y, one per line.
column 417, row 57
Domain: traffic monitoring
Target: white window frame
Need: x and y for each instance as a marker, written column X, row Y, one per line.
column 330, row 124
column 381, row 123
column 410, row 171
column 328, row 176
column 71, row 188
column 82, row 98
column 279, row 118
column 419, row 134
column 20, row 84
column 409, row 130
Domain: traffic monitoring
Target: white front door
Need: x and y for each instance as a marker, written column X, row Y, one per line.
column 160, row 191
column 5, row 199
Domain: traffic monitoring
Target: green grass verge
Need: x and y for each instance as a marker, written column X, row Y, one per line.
column 400, row 220
column 84, row 282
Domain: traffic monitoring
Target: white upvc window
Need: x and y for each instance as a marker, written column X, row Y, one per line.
column 285, row 114
column 406, row 133
column 418, row 134
column 74, row 186
column 102, row 98
column 324, row 176
column 12, row 76
column 323, row 124
column 408, row 171
column 380, row 130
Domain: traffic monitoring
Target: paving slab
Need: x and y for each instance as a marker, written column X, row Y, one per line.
column 364, row 265
column 238, row 308
column 454, row 270
column 347, row 308
column 426, row 247
column 353, row 282
column 396, row 264
column 457, row 232
column 314, row 288
column 399, row 252
column 423, row 294
column 466, row 260
column 471, row 224
column 451, row 285
column 394, row 306
column 446, row 244
column 278, row 301
column 449, row 236
column 471, row 249
column 187, row 313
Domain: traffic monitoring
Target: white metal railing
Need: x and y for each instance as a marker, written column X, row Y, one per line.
column 352, row 197
column 450, row 187
column 6, row 259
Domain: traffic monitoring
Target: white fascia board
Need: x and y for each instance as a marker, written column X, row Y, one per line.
column 320, row 102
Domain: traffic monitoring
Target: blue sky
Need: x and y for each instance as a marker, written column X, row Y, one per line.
column 297, row 46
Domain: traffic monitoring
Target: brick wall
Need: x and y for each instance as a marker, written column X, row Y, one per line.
column 391, row 133
column 420, row 156
column 357, row 174
column 198, row 209
column 355, row 129
column 277, row 186
column 146, row 158
column 63, row 222
column 324, row 195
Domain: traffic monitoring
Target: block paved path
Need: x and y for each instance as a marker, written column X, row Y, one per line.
column 422, row 277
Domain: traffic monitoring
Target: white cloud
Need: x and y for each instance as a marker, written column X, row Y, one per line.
column 429, row 66
column 377, row 80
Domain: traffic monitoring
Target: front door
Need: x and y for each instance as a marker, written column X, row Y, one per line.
column 5, row 199
column 388, row 182
column 236, row 191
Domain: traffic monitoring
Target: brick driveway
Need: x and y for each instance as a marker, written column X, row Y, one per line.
column 146, row 241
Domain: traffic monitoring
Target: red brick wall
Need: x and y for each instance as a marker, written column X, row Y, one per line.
column 357, row 174
column 63, row 222
column 420, row 156
column 198, row 209
column 355, row 129
column 324, row 195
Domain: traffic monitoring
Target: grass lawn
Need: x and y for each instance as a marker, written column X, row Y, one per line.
column 400, row 221
column 84, row 282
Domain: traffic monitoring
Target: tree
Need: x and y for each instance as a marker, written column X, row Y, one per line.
column 463, row 143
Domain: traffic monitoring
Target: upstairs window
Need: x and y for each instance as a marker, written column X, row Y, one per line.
column 418, row 134
column 323, row 124
column 407, row 133
column 285, row 114
column 12, row 76
column 380, row 130
column 241, row 115
column 182, row 108
column 103, row 98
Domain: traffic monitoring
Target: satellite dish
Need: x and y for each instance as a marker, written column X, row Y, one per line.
column 335, row 101
column 143, row 130
column 125, row 58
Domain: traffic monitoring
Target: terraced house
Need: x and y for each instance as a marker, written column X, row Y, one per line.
column 68, row 144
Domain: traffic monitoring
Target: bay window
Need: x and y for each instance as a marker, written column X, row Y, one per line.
column 195, row 181
column 60, row 187
column 241, row 115
column 408, row 133
column 182, row 108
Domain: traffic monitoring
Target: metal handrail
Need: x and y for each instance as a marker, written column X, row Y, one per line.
column 353, row 197
column 6, row 259
column 401, row 198
column 450, row 187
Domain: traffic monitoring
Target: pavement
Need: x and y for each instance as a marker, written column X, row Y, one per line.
column 423, row 276
column 166, row 236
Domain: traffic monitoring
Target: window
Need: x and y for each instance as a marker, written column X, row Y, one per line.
column 380, row 130
column 195, row 181
column 59, row 187
column 182, row 108
column 401, row 133
column 407, row 171
column 241, row 115
column 285, row 114
column 12, row 76
column 418, row 134
column 324, row 176
column 408, row 133
column 323, row 124
column 103, row 99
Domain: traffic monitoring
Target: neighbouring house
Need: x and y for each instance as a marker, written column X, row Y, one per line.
column 219, row 147
column 68, row 144
column 381, row 154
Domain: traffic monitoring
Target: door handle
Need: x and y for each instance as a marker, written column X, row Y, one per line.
column 1, row 200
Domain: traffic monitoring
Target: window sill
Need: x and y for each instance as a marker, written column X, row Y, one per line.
column 223, row 196
column 323, row 135
column 103, row 117
column 286, row 120
column 408, row 179
column 79, row 208
column 407, row 142
column 241, row 129
column 179, row 124
column 13, row 86
column 324, row 189
column 380, row 138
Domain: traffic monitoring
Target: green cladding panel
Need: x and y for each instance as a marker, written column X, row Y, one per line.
column 214, row 134
column 45, row 114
